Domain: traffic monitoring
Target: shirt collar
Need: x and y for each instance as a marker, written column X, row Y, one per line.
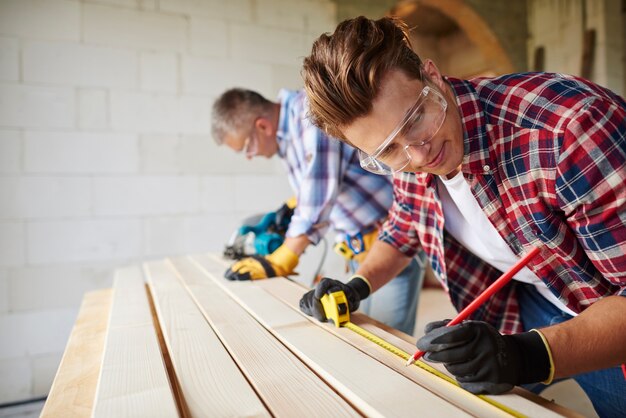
column 478, row 156
column 478, row 151
column 285, row 97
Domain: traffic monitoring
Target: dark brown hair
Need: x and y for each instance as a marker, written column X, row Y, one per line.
column 342, row 75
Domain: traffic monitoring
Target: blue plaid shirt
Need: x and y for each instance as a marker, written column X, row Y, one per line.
column 331, row 187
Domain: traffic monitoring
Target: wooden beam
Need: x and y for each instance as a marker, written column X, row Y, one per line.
column 210, row 381
column 518, row 400
column 74, row 387
column 369, row 385
column 133, row 378
column 288, row 388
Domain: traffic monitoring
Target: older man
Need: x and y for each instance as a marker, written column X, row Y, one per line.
column 332, row 190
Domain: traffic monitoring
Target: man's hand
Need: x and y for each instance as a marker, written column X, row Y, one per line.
column 281, row 262
column 483, row 360
column 355, row 290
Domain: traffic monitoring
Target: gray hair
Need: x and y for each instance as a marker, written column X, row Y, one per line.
column 236, row 110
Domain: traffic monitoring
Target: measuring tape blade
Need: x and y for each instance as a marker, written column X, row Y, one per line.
column 405, row 356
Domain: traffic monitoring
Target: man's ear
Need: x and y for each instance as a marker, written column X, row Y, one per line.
column 263, row 124
column 433, row 73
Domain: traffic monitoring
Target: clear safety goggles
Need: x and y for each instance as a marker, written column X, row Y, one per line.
column 420, row 123
column 251, row 145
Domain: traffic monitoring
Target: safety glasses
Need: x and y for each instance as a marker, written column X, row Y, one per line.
column 418, row 126
column 251, row 145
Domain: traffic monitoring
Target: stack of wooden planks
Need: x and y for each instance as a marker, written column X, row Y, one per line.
column 173, row 338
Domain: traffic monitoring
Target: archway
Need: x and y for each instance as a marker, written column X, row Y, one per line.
column 457, row 38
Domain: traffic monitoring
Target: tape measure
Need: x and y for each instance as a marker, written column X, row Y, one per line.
column 336, row 309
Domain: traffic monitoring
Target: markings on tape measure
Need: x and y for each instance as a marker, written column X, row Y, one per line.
column 405, row 356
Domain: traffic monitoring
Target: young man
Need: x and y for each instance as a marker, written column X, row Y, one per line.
column 331, row 189
column 485, row 170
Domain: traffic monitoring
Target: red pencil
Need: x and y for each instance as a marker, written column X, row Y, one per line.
column 493, row 288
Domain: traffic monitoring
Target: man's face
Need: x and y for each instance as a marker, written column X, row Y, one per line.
column 258, row 141
column 431, row 139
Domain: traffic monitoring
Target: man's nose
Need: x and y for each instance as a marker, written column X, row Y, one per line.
column 418, row 153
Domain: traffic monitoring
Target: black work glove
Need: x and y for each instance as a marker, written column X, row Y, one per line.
column 483, row 360
column 355, row 290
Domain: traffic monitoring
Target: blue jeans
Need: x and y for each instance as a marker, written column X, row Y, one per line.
column 605, row 388
column 395, row 304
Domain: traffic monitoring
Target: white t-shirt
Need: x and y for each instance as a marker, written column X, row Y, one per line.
column 468, row 224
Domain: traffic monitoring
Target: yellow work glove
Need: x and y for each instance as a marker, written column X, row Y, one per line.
column 281, row 262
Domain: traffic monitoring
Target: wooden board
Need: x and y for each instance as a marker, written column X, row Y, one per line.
column 517, row 400
column 133, row 378
column 372, row 387
column 198, row 345
column 74, row 386
column 277, row 376
column 291, row 293
column 211, row 384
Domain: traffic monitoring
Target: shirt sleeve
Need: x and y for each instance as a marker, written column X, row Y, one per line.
column 397, row 229
column 591, row 174
column 319, row 185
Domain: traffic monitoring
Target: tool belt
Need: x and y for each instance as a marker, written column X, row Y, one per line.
column 355, row 247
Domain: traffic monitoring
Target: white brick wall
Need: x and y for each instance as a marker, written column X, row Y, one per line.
column 74, row 241
column 233, row 10
column 32, row 106
column 120, row 27
column 132, row 196
column 208, row 37
column 80, row 152
column 10, row 151
column 106, row 156
column 44, row 197
column 59, row 285
column 268, row 45
column 41, row 19
column 159, row 113
column 29, row 337
column 16, row 381
column 71, row 63
column 207, row 76
column 92, row 109
column 12, row 243
column 4, row 291
column 159, row 72
column 9, row 59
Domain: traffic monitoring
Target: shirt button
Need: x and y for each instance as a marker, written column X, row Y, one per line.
column 486, row 168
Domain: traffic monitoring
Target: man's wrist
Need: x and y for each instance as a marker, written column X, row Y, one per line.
column 535, row 358
column 361, row 285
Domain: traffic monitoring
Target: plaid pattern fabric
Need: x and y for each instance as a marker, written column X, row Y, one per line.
column 545, row 157
column 330, row 192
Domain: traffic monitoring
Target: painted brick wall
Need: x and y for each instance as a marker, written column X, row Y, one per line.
column 105, row 151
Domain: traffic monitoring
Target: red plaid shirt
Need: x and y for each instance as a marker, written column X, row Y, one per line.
column 545, row 157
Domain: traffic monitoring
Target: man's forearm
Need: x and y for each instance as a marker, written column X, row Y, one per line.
column 383, row 263
column 297, row 244
column 594, row 340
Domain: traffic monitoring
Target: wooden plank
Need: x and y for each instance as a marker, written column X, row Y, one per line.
column 210, row 382
column 518, row 400
column 371, row 387
column 74, row 385
column 288, row 388
column 133, row 378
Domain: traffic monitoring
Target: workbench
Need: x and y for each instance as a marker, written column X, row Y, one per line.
column 174, row 338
